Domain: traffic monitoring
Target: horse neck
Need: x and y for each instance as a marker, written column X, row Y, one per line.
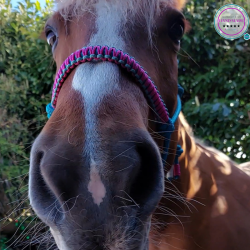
column 210, row 186
column 202, row 167
column 196, row 162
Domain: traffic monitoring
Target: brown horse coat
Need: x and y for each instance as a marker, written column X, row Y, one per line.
column 209, row 208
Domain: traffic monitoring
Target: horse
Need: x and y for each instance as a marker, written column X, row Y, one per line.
column 102, row 168
column 245, row 167
column 213, row 212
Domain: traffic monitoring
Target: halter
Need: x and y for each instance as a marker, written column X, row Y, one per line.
column 104, row 53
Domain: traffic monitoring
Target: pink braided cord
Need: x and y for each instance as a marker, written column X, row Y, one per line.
column 177, row 170
column 104, row 53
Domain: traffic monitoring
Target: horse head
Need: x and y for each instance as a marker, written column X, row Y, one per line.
column 96, row 173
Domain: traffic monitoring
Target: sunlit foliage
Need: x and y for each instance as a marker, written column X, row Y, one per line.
column 215, row 73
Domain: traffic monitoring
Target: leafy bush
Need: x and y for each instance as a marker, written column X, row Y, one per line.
column 26, row 76
column 25, row 81
column 216, row 82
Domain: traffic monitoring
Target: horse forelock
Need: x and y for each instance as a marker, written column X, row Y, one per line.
column 134, row 5
column 147, row 10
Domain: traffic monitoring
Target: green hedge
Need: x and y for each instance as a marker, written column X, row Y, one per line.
column 216, row 82
column 26, row 75
column 25, row 81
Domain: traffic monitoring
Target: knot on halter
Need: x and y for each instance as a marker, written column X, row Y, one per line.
column 175, row 171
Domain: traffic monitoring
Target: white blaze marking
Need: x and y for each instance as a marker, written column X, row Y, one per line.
column 109, row 23
column 96, row 187
column 94, row 81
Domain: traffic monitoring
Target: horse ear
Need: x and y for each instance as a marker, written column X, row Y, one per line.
column 187, row 25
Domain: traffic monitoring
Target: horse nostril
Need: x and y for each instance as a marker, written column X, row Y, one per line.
column 41, row 198
column 39, row 157
column 148, row 185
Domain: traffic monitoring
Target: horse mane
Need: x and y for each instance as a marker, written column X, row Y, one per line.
column 185, row 125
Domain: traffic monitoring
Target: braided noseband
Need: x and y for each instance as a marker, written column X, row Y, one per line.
column 104, row 53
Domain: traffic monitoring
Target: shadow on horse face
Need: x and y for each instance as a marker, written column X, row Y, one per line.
column 96, row 175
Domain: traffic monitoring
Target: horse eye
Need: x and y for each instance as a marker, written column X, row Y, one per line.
column 176, row 32
column 51, row 38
